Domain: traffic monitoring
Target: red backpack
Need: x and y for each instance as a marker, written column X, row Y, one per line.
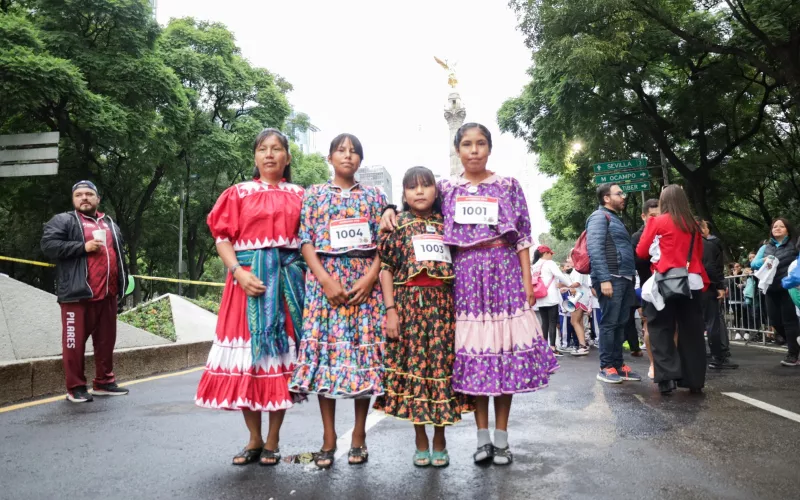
column 580, row 253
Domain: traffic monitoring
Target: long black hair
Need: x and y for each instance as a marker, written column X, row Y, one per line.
column 536, row 256
column 468, row 126
column 416, row 176
column 261, row 137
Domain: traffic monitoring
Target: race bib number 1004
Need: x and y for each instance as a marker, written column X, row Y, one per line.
column 348, row 233
column 476, row 210
column 430, row 247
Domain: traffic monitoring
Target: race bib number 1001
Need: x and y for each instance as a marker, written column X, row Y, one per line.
column 476, row 210
column 430, row 247
column 348, row 233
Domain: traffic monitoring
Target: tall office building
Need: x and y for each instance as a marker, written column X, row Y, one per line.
column 376, row 175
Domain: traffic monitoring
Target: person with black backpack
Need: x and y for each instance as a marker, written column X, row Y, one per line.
column 680, row 278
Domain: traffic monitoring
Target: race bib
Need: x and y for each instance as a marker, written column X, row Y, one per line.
column 431, row 247
column 476, row 210
column 347, row 233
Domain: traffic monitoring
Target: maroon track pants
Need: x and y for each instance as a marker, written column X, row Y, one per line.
column 79, row 321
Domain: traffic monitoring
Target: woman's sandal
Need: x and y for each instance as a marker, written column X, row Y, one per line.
column 422, row 458
column 326, row 456
column 249, row 456
column 505, row 456
column 442, row 457
column 484, row 453
column 358, row 452
column 274, row 456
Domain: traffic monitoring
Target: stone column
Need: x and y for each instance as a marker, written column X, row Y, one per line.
column 454, row 113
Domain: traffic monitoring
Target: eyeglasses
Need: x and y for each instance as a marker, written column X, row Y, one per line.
column 621, row 194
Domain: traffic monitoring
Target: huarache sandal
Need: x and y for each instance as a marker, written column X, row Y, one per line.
column 269, row 457
column 502, row 456
column 484, row 453
column 440, row 458
column 249, row 456
column 358, row 452
column 422, row 458
column 324, row 456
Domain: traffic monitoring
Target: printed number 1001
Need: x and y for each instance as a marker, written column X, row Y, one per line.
column 474, row 211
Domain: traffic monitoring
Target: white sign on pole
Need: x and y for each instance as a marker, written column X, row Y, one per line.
column 29, row 154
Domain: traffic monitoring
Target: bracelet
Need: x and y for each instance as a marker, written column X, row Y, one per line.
column 391, row 307
column 233, row 268
column 387, row 207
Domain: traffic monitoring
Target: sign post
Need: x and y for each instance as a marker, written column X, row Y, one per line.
column 29, row 154
column 631, row 175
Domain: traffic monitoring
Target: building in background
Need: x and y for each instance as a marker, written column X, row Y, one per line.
column 376, row 175
column 304, row 133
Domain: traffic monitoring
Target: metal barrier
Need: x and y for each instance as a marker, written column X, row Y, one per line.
column 746, row 310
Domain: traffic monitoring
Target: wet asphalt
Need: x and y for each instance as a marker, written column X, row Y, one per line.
column 577, row 439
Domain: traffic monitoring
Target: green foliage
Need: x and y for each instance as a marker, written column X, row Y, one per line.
column 159, row 118
column 627, row 79
column 560, row 248
column 209, row 304
column 154, row 317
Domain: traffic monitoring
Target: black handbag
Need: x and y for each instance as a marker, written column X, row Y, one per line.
column 675, row 282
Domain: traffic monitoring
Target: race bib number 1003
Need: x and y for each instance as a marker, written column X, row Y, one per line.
column 348, row 233
column 430, row 247
column 476, row 210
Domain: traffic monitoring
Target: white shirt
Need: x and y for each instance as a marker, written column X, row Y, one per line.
column 550, row 274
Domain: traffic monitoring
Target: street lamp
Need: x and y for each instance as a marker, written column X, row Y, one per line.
column 576, row 146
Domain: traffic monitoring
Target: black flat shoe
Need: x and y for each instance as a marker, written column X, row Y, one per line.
column 249, row 456
column 666, row 386
column 696, row 390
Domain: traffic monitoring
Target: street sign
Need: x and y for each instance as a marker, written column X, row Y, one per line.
column 635, row 187
column 634, row 175
column 610, row 166
column 29, row 154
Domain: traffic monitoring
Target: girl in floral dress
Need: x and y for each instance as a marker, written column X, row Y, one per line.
column 341, row 346
column 255, row 226
column 420, row 319
column 500, row 350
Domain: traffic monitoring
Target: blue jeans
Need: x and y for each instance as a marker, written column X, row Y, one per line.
column 616, row 313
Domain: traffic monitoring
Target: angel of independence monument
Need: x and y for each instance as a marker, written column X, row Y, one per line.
column 454, row 113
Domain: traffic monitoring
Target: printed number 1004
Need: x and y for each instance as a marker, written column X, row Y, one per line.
column 348, row 233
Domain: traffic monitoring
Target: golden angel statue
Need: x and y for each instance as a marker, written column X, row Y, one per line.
column 451, row 71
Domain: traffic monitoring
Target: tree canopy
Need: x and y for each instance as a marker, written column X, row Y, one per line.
column 158, row 118
column 708, row 84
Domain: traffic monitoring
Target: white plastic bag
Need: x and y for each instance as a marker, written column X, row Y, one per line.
column 766, row 273
column 651, row 294
column 655, row 249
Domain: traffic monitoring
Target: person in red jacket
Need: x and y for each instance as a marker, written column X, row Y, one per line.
column 683, row 365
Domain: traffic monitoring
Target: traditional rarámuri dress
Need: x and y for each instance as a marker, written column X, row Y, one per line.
column 254, row 352
column 499, row 344
column 341, row 348
column 419, row 364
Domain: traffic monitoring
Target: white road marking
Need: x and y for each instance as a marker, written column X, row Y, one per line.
column 343, row 443
column 764, row 406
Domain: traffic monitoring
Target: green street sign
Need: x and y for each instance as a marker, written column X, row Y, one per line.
column 634, row 175
column 610, row 166
column 635, row 187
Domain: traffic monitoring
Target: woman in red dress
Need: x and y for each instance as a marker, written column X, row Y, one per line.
column 255, row 226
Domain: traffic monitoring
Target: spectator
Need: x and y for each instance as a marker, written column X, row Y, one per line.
column 549, row 272
column 650, row 211
column 712, row 262
column 613, row 275
column 88, row 249
column 684, row 365
column 780, row 308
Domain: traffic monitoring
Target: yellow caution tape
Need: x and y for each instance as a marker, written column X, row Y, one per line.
column 153, row 278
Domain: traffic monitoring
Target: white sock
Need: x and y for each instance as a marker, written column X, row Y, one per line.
column 500, row 438
column 483, row 437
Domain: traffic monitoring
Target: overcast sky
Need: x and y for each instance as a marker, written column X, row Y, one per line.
column 366, row 67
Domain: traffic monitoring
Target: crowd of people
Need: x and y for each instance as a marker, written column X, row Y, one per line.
column 433, row 310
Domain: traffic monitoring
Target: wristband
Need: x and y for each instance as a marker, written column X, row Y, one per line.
column 387, row 207
column 391, row 307
column 233, row 268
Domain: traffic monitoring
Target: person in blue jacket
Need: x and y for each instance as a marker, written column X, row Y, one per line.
column 780, row 309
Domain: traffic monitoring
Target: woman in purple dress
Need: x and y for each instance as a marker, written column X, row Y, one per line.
column 500, row 349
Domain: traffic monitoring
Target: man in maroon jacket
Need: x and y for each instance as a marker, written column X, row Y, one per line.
column 87, row 247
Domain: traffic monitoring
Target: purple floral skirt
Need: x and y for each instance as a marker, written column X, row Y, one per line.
column 499, row 344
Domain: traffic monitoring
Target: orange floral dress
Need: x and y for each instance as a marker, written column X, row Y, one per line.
column 419, row 364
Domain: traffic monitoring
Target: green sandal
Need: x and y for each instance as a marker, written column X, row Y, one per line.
column 422, row 458
column 440, row 456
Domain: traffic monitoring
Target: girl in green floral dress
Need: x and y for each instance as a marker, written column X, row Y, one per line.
column 416, row 278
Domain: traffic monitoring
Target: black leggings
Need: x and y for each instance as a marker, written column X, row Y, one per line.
column 549, row 322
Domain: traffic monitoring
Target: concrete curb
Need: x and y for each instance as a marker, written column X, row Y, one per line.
column 39, row 377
